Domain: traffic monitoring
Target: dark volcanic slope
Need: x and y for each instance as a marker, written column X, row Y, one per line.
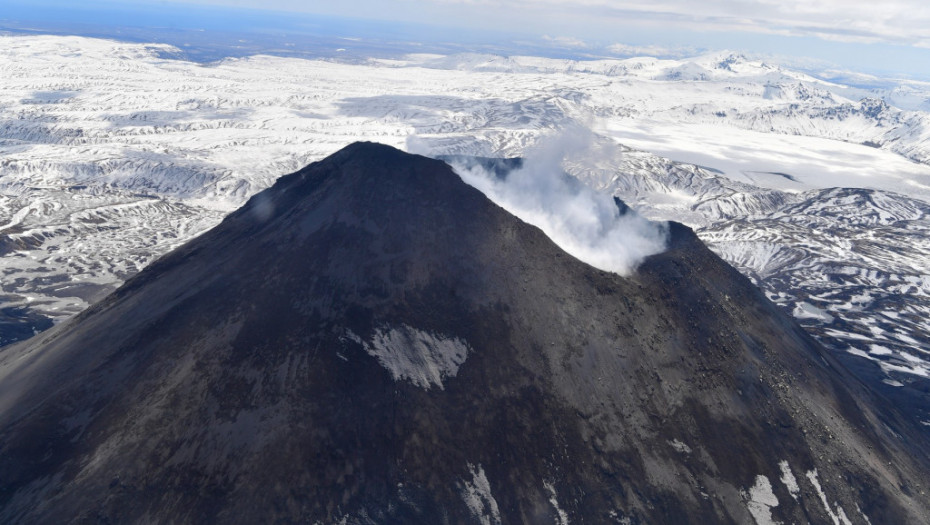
column 371, row 340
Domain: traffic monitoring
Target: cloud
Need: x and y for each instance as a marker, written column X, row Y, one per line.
column 904, row 22
column 565, row 41
column 586, row 224
column 900, row 22
column 653, row 51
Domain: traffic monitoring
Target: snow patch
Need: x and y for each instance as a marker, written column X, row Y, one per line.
column 805, row 310
column 621, row 520
column 563, row 517
column 787, row 477
column 856, row 352
column 866, row 518
column 919, row 369
column 679, row 446
column 422, row 358
column 478, row 498
column 761, row 500
column 839, row 516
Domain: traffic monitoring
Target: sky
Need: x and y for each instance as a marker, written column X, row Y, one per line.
column 885, row 36
column 901, row 22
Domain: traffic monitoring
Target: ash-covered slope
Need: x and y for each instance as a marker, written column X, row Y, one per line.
column 373, row 341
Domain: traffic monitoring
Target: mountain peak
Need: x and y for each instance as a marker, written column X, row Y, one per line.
column 372, row 340
column 358, row 163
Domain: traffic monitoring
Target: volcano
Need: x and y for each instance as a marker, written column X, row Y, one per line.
column 371, row 340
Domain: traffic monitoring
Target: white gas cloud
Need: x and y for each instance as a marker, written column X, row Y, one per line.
column 583, row 222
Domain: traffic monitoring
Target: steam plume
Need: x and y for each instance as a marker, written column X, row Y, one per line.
column 583, row 222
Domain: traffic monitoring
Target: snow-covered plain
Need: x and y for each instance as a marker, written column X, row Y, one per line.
column 112, row 154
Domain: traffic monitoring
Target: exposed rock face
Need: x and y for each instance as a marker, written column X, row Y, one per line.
column 373, row 341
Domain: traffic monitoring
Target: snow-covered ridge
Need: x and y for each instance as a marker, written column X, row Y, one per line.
column 111, row 155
